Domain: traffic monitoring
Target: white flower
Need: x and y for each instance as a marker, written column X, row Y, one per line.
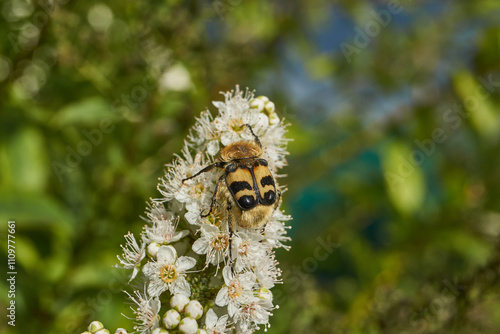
column 247, row 249
column 212, row 242
column 171, row 319
column 188, row 326
column 275, row 231
column 172, row 187
column 267, row 271
column 163, row 231
column 205, row 133
column 146, row 313
column 194, row 310
column 214, row 325
column 236, row 291
column 249, row 316
column 132, row 255
column 178, row 302
column 167, row 273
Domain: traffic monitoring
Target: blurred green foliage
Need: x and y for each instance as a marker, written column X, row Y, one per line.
column 393, row 177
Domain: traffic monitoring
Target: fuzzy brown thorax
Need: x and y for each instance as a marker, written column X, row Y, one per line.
column 240, row 150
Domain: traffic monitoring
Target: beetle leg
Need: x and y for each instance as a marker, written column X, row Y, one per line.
column 214, row 197
column 219, row 164
column 257, row 140
column 230, row 227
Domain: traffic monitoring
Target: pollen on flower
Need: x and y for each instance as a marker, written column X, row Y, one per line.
column 243, row 248
column 168, row 273
column 197, row 190
column 237, row 125
column 234, row 290
column 220, row 242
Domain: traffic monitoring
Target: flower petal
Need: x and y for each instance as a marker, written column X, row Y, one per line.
column 209, row 229
column 200, row 246
column 211, row 319
column 185, row 262
column 166, row 255
column 178, row 235
column 227, row 274
column 231, row 309
column 180, row 286
column 155, row 288
column 222, row 297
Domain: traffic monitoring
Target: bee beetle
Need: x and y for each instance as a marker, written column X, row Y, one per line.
column 249, row 182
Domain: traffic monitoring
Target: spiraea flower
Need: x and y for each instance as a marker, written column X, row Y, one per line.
column 146, row 311
column 251, row 315
column 236, row 291
column 167, row 272
column 195, row 228
column 214, row 324
column 213, row 242
column 133, row 253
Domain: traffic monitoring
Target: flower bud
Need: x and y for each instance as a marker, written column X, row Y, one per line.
column 178, row 302
column 269, row 107
column 194, row 309
column 171, row 319
column 265, row 293
column 95, row 326
column 121, row 331
column 257, row 104
column 160, row 330
column 263, row 98
column 188, row 326
column 102, row 331
column 274, row 119
column 153, row 249
column 201, row 331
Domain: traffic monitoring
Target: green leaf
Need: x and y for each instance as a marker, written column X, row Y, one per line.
column 404, row 178
column 24, row 161
column 477, row 101
column 34, row 211
column 90, row 111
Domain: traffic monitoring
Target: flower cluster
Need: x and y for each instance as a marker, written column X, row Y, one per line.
column 217, row 276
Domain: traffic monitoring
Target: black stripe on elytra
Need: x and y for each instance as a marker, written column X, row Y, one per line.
column 247, row 202
column 267, row 181
column 239, row 185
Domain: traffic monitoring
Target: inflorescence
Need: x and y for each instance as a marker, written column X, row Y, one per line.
column 197, row 276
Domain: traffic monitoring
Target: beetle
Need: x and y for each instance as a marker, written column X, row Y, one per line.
column 249, row 182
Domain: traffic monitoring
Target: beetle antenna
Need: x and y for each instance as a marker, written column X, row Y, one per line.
column 219, row 164
column 257, row 140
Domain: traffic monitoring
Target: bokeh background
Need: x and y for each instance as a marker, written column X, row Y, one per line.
column 393, row 176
